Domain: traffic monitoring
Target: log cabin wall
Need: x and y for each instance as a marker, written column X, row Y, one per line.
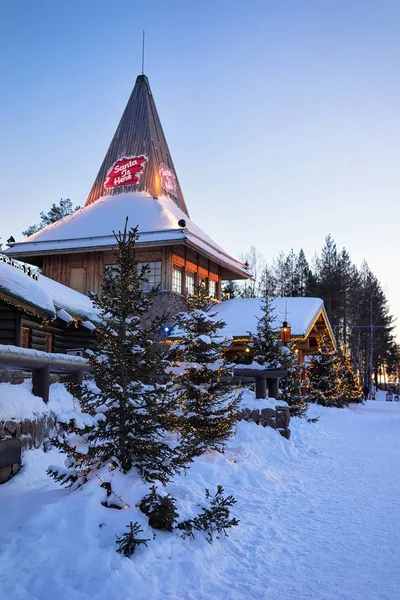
column 10, row 325
column 56, row 336
column 84, row 271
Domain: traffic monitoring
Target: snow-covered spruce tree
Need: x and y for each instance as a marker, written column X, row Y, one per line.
column 124, row 418
column 202, row 378
column 350, row 383
column 323, row 380
column 265, row 344
column 291, row 386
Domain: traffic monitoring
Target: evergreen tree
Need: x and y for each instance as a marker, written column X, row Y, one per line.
column 292, row 391
column 350, row 387
column 265, row 344
column 230, row 288
column 323, row 382
column 203, row 378
column 123, row 422
column 56, row 212
column 305, row 277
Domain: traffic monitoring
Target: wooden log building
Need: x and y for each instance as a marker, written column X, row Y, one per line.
column 41, row 314
column 306, row 317
column 138, row 180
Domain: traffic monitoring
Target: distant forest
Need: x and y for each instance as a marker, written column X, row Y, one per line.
column 354, row 300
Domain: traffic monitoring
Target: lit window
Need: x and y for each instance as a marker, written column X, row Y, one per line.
column 177, row 280
column 26, row 337
column 212, row 289
column 153, row 275
column 48, row 342
column 190, row 283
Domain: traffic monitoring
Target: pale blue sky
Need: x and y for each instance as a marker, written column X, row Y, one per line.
column 282, row 117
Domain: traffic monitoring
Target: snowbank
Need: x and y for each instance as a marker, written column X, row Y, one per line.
column 17, row 403
column 250, row 401
column 318, row 521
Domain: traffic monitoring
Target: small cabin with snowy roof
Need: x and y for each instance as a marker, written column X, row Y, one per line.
column 138, row 180
column 306, row 317
column 41, row 314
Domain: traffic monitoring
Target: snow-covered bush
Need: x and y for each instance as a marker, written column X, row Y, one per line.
column 213, row 519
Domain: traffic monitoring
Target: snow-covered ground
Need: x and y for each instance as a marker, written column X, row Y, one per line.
column 320, row 519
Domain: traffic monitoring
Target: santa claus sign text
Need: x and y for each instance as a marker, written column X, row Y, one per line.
column 126, row 171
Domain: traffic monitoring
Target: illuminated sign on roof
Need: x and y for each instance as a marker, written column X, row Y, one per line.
column 168, row 180
column 125, row 171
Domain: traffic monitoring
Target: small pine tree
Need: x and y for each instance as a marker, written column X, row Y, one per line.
column 128, row 542
column 265, row 344
column 214, row 519
column 291, row 386
column 123, row 422
column 206, row 394
column 323, row 381
column 161, row 510
column 350, row 383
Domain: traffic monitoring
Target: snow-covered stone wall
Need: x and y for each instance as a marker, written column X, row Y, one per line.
column 268, row 413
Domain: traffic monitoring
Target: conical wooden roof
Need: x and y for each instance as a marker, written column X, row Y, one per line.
column 139, row 153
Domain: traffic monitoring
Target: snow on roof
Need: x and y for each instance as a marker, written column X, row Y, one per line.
column 241, row 314
column 45, row 294
column 70, row 300
column 92, row 227
column 21, row 286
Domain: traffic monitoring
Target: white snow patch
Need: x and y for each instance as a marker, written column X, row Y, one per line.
column 319, row 520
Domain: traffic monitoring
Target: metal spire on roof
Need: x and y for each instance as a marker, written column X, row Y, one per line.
column 143, row 53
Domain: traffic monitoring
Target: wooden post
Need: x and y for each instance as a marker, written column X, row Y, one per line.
column 261, row 388
column 41, row 383
column 273, row 388
column 77, row 377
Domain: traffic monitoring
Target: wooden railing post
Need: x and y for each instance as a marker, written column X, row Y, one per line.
column 41, row 382
column 261, row 387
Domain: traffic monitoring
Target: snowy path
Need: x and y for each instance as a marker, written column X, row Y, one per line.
column 320, row 519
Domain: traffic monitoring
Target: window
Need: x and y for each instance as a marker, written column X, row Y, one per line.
column 177, row 280
column 26, row 337
column 212, row 288
column 48, row 342
column 153, row 275
column 190, row 283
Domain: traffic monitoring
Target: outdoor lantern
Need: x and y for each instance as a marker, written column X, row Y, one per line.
column 285, row 333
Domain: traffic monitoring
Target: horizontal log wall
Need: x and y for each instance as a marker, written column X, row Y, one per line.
column 9, row 324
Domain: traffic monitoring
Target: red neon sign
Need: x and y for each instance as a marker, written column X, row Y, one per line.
column 126, row 171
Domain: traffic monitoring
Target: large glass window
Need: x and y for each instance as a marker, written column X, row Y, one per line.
column 212, row 288
column 190, row 283
column 153, row 275
column 177, row 280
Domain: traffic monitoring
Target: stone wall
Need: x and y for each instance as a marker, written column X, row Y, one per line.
column 10, row 459
column 277, row 418
column 14, row 377
column 166, row 305
column 31, row 433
